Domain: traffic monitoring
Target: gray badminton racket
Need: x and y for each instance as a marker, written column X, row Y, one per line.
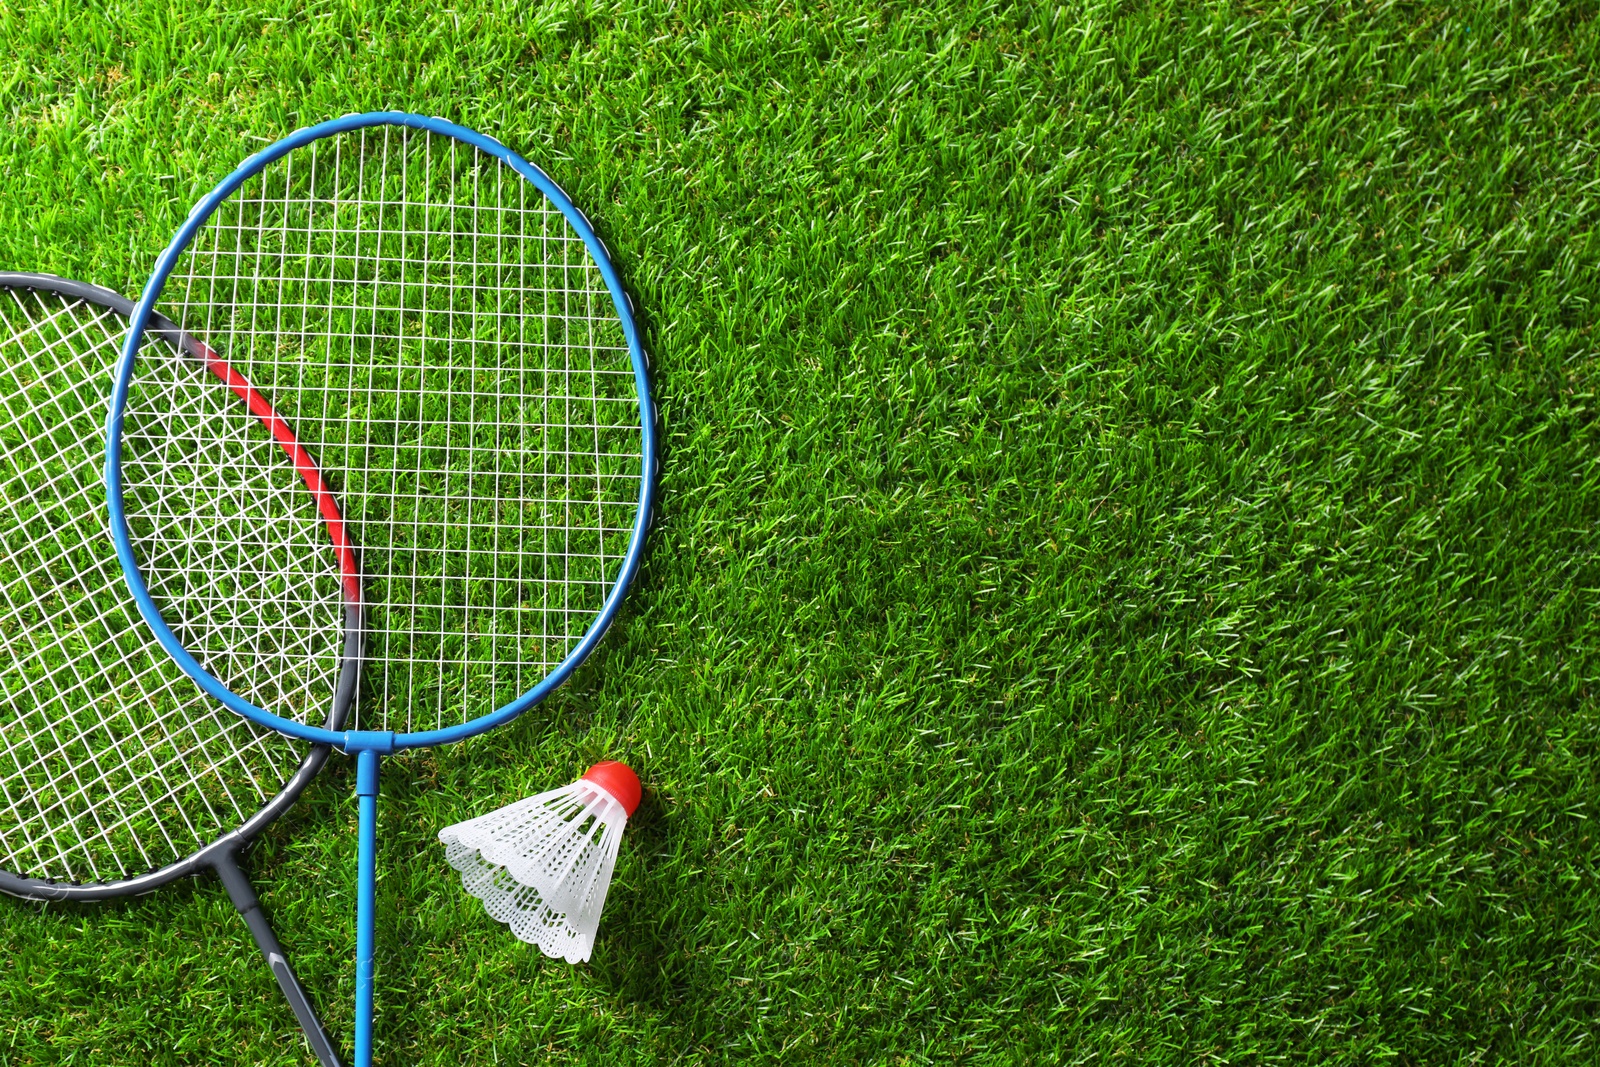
column 118, row 775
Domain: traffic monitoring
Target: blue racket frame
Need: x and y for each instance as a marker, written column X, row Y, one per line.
column 369, row 745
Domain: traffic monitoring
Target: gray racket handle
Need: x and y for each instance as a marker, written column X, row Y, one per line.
column 244, row 898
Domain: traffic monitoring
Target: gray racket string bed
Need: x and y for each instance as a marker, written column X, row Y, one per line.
column 118, row 774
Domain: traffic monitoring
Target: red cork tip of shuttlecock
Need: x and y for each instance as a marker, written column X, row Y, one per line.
column 619, row 780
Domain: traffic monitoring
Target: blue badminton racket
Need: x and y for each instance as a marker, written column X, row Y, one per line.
column 430, row 317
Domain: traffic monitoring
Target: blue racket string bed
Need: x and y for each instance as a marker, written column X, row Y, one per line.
column 429, row 448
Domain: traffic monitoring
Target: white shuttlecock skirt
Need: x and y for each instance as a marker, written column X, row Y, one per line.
column 542, row 865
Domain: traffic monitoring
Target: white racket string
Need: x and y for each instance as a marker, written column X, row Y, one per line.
column 440, row 340
column 112, row 762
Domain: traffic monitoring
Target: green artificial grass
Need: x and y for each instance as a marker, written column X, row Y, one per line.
column 1125, row 587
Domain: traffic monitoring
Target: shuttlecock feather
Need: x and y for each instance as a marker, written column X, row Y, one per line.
column 543, row 865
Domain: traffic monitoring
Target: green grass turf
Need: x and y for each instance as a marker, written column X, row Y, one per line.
column 1127, row 571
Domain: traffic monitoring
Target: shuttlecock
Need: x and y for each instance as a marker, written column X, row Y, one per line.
column 543, row 865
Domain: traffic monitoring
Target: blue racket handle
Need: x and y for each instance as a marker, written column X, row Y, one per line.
column 366, row 890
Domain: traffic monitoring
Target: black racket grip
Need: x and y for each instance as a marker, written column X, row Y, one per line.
column 244, row 898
